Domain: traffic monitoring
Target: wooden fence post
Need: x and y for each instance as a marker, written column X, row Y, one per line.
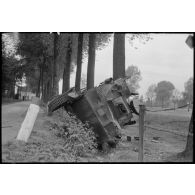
column 141, row 131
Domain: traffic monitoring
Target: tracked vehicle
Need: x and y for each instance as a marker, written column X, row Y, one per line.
column 105, row 107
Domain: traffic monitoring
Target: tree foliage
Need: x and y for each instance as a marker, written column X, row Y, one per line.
column 142, row 38
column 141, row 99
column 44, row 56
column 102, row 40
column 36, row 52
column 67, row 67
column 10, row 63
column 151, row 94
column 188, row 93
column 83, row 81
column 64, row 39
column 164, row 91
column 9, row 44
column 134, row 75
column 176, row 96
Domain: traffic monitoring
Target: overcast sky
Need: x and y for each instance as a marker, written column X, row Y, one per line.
column 166, row 57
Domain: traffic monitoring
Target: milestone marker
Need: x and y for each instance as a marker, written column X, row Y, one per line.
column 29, row 121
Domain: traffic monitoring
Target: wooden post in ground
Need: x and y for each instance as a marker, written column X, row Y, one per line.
column 188, row 106
column 141, row 131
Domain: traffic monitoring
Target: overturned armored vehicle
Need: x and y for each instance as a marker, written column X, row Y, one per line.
column 105, row 107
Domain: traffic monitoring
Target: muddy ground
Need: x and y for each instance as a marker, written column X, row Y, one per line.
column 44, row 145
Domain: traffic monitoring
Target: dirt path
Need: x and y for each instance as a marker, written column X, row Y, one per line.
column 12, row 117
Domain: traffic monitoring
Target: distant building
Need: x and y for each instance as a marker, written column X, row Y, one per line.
column 27, row 95
column 23, row 93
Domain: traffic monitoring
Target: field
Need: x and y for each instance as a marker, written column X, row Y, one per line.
column 49, row 143
column 170, row 142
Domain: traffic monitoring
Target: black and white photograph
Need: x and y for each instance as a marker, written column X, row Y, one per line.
column 92, row 97
column 97, row 97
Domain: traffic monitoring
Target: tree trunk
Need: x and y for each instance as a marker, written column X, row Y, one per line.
column 55, row 78
column 119, row 56
column 44, row 93
column 12, row 89
column 39, row 84
column 38, row 89
column 45, row 96
column 162, row 105
column 91, row 61
column 188, row 152
column 67, row 65
column 48, row 91
column 79, row 62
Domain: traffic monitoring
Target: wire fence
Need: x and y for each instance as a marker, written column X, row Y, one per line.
column 176, row 132
column 185, row 134
column 168, row 130
column 167, row 109
column 142, row 127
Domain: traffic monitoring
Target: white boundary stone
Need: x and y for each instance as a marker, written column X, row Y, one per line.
column 28, row 123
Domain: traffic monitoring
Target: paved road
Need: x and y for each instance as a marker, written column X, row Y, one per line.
column 12, row 117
